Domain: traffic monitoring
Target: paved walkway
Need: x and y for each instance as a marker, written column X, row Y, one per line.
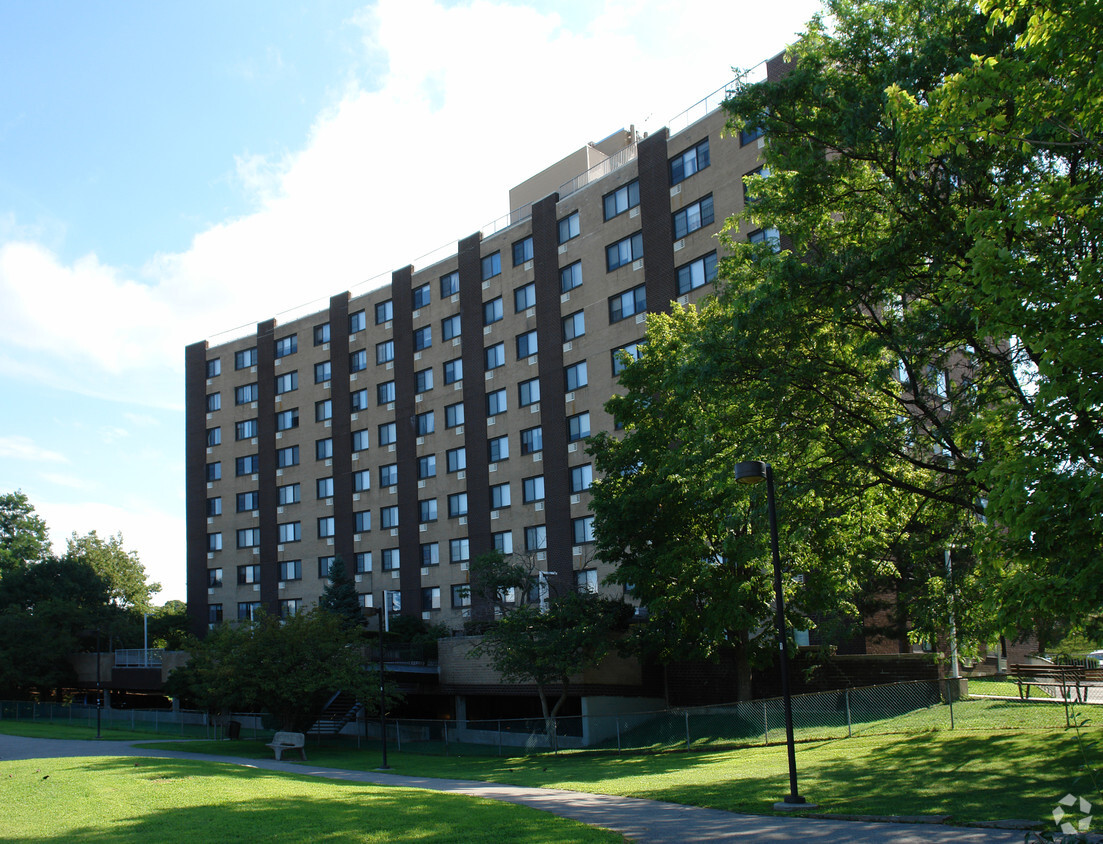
column 644, row 821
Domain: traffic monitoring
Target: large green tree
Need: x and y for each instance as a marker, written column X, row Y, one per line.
column 24, row 537
column 121, row 569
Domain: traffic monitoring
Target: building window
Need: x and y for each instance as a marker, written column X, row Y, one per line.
column 749, row 133
column 425, row 423
column 427, row 510
column 248, row 610
column 532, row 440
column 453, row 371
column 287, row 383
column 536, row 538
column 245, row 358
column 524, row 297
column 388, row 517
column 363, row 562
column 569, row 227
column 492, row 265
column 581, row 478
column 770, row 236
column 358, row 321
column 388, row 475
column 358, row 361
column 323, row 372
column 570, row 277
column 388, row 433
column 214, row 506
column 626, row 354
column 248, row 538
column 450, row 327
column 574, row 325
column 360, row 440
column 499, row 496
column 289, row 456
column 289, row 494
column 522, row 251
column 427, row 467
column 498, row 449
column 384, row 312
column 453, row 415
column 586, row 581
column 287, row 345
column 526, row 345
column 457, row 459
column 214, row 471
column 214, row 367
column 323, row 448
column 430, row 554
column 321, row 333
column 323, row 410
column 459, row 550
column 624, row 251
column 325, row 488
column 496, row 402
column 495, row 356
column 290, row 606
column 529, row 392
column 696, row 273
column 421, row 296
column 290, row 532
column 430, row 598
column 423, row 380
column 423, row 338
column 248, row 465
column 214, row 436
column 214, row 578
column 246, row 429
column 532, row 489
column 245, row 394
column 247, row 502
column 391, row 560
column 627, row 304
column 248, row 574
column 287, row 419
column 575, row 376
column 291, row 570
column 457, row 504
column 361, row 521
column 326, row 527
column 449, row 284
column 583, row 529
column 693, row 217
column 384, row 352
column 385, row 393
column 578, row 427
column 461, row 596
column 361, row 481
column 503, row 542
column 625, row 197
column 214, row 402
column 358, row 400
column 214, row 541
column 214, row 614
column 689, row 162
column 492, row 311
column 760, row 172
column 324, row 565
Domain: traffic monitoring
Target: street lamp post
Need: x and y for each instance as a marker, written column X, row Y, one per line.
column 754, row 472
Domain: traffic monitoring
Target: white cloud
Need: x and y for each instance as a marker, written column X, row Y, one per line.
column 24, row 448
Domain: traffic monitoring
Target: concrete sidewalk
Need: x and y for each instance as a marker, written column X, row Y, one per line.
column 645, row 821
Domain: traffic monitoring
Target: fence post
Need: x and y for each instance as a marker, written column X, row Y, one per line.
column 617, row 721
column 765, row 723
column 687, row 729
column 499, row 736
column 445, row 738
column 849, row 729
column 398, row 734
column 950, row 698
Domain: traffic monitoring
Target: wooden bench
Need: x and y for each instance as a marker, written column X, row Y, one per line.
column 1067, row 678
column 288, row 741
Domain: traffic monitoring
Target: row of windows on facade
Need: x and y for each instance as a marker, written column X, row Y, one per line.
column 585, row 579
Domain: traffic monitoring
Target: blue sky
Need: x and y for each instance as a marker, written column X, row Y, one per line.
column 172, row 171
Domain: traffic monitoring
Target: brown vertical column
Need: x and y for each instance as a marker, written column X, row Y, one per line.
column 406, row 445
column 195, row 457
column 657, row 226
column 341, row 431
column 553, row 416
column 474, row 395
column 266, row 448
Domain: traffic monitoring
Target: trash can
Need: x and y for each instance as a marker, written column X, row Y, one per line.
column 233, row 730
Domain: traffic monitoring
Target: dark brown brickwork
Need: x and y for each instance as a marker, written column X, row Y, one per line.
column 341, row 431
column 406, row 444
column 195, row 458
column 658, row 227
column 266, row 448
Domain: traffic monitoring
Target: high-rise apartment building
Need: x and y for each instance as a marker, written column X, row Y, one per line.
column 413, row 427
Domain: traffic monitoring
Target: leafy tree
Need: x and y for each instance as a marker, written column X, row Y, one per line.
column 121, row 569
column 288, row 667
column 24, row 537
column 169, row 626
column 339, row 595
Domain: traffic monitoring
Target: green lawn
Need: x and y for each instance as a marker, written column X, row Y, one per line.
column 107, row 799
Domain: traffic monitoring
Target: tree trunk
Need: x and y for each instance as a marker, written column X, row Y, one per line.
column 743, row 667
column 549, row 715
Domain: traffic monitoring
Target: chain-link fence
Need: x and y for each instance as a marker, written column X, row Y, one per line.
column 873, row 710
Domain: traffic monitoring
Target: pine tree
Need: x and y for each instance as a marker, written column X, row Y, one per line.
column 340, row 596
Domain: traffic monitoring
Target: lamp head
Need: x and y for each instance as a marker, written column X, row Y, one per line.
column 751, row 471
